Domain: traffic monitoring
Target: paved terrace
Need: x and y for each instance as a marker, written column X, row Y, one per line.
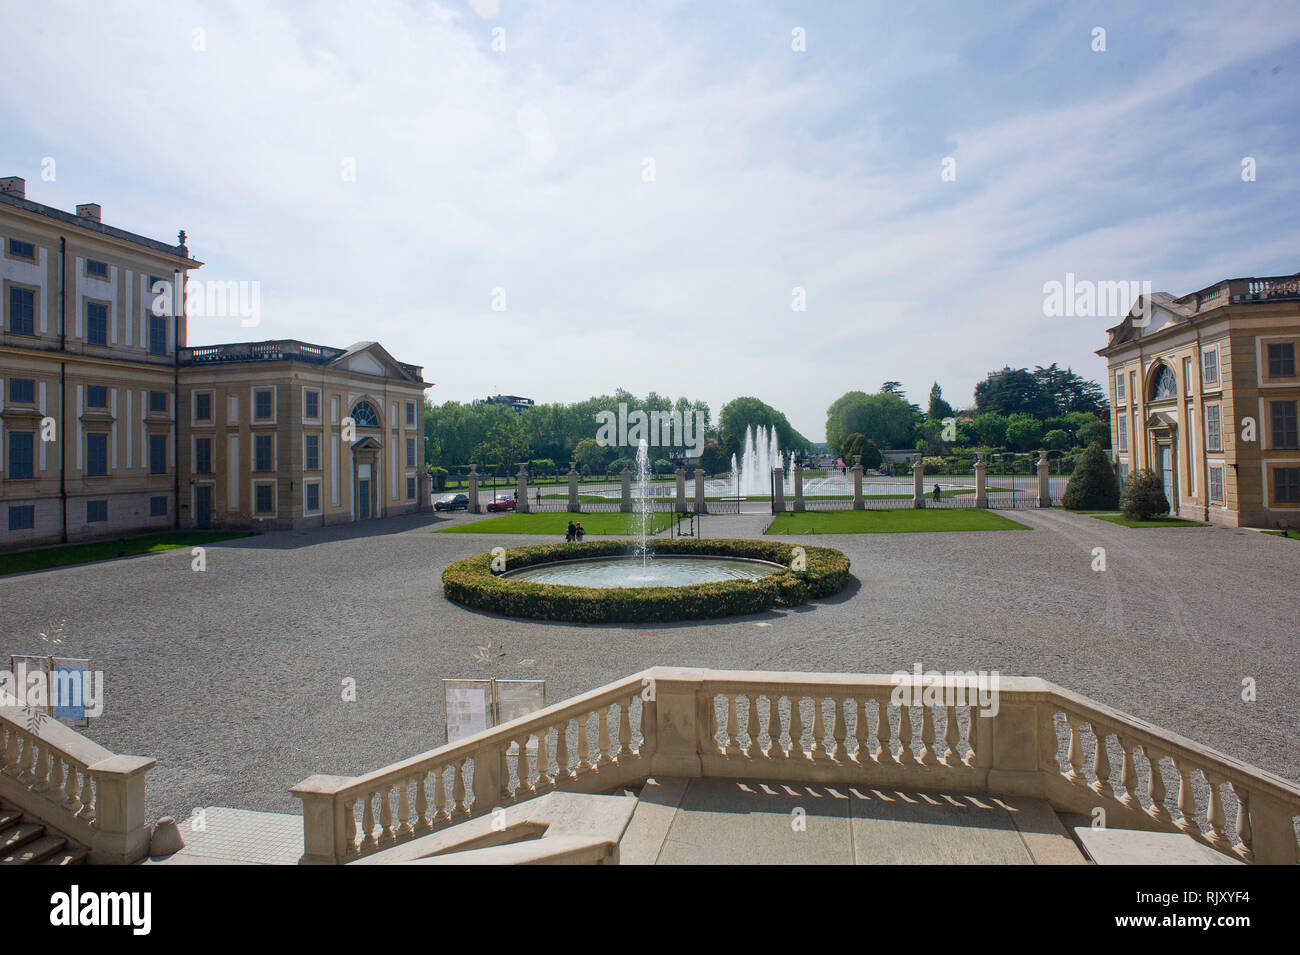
column 232, row 678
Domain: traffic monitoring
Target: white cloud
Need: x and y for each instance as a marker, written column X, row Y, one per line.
column 477, row 169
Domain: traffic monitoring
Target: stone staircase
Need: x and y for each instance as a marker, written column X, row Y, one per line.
column 32, row 843
column 680, row 821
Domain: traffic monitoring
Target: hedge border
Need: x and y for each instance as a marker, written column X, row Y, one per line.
column 470, row 582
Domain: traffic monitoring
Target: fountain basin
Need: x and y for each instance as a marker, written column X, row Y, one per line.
column 666, row 570
column 757, row 575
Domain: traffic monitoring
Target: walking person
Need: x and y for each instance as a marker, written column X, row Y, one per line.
column 935, row 492
column 571, row 534
column 578, row 531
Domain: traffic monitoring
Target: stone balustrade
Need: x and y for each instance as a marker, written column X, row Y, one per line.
column 73, row 785
column 591, row 743
column 820, row 729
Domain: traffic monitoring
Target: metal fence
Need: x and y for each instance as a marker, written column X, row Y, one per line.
column 891, row 492
column 659, row 505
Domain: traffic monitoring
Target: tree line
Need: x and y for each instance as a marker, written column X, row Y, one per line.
column 549, row 436
column 1014, row 409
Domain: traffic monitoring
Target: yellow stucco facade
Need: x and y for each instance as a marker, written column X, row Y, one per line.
column 1204, row 391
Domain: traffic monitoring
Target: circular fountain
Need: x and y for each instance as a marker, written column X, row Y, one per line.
column 644, row 579
column 663, row 571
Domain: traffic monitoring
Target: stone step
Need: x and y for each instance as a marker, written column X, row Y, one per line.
column 1140, row 847
column 67, row 857
column 9, row 817
column 711, row 821
column 35, row 851
column 18, row 836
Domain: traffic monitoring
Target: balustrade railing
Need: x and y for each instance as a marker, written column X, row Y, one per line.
column 1263, row 289
column 72, row 784
column 592, row 743
column 1037, row 740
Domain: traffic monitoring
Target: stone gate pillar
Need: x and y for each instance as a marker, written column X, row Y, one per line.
column 1044, row 481
column 918, row 482
column 778, row 489
column 858, row 503
column 521, row 490
column 798, row 486
column 700, row 503
column 574, row 506
column 981, row 481
column 473, row 490
column 625, row 503
column 680, row 475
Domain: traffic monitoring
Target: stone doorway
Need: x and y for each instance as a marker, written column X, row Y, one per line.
column 366, row 474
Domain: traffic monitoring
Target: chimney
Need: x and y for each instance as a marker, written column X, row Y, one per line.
column 89, row 210
column 14, row 186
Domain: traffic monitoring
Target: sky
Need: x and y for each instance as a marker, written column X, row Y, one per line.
column 556, row 199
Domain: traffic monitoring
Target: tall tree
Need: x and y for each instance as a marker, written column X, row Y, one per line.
column 939, row 409
column 886, row 418
column 505, row 442
column 1013, row 391
column 741, row 413
column 1070, row 392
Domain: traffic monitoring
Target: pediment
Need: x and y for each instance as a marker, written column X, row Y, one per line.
column 1161, row 419
column 370, row 358
column 366, row 364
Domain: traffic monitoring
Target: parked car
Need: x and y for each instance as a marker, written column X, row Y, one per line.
column 452, row 502
column 504, row 502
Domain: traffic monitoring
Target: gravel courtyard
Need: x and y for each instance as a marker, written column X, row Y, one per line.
column 232, row 678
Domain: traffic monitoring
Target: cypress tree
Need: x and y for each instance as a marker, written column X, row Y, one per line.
column 1093, row 485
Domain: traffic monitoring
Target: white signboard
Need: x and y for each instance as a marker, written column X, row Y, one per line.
column 468, row 707
column 472, row 706
column 516, row 698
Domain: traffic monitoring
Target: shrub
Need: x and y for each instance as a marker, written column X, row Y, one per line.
column 1143, row 496
column 439, row 478
column 714, row 460
column 851, row 445
column 871, row 456
column 472, row 583
column 1057, row 440
column 1023, row 432
column 1095, row 430
column 1093, row 486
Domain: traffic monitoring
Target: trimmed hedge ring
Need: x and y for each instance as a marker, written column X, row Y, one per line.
column 471, row 582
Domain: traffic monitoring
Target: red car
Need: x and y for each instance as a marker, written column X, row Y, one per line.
column 504, row 502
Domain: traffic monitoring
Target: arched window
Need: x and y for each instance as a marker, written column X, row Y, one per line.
column 1166, row 385
column 364, row 415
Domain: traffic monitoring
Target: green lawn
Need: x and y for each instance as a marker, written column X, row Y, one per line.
column 582, row 498
column 1295, row 537
column 899, row 521
column 1153, row 522
column 106, row 550
column 556, row 522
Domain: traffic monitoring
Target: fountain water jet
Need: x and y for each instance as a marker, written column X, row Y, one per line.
column 752, row 475
column 644, row 505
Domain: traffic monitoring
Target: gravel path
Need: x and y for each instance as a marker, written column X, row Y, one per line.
column 232, row 678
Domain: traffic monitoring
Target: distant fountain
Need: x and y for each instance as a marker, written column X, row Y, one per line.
column 752, row 475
